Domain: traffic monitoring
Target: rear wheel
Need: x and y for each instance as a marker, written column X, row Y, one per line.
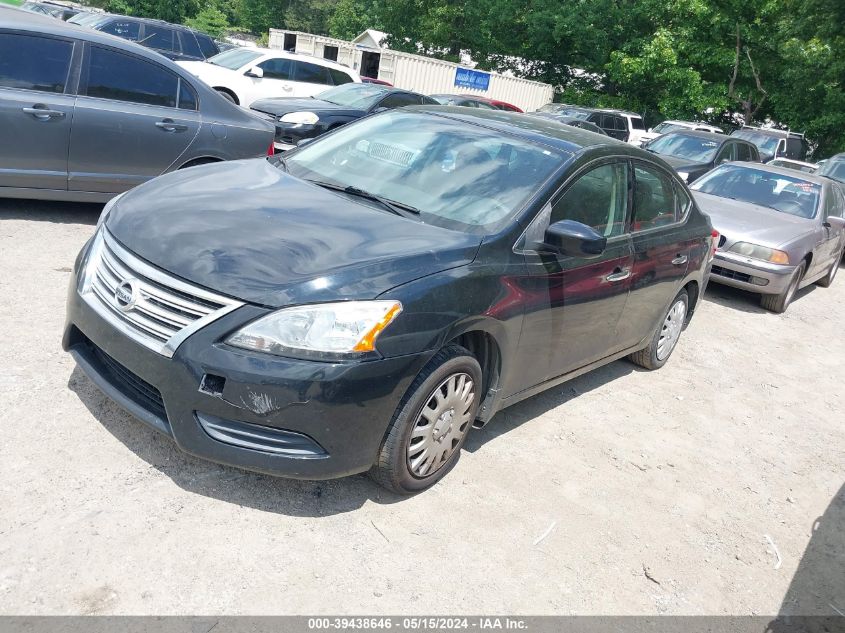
column 779, row 303
column 226, row 95
column 825, row 281
column 429, row 428
column 666, row 335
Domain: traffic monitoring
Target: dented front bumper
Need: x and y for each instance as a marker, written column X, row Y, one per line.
column 282, row 416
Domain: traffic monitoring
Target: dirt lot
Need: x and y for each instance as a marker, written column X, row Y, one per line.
column 622, row 492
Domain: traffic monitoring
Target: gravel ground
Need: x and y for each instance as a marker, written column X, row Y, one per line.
column 621, row 492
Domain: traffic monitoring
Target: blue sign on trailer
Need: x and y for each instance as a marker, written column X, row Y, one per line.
column 468, row 78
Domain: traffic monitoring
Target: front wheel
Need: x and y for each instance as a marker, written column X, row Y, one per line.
column 429, row 428
column 779, row 303
column 666, row 335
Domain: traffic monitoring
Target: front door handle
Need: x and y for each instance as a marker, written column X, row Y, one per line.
column 43, row 113
column 168, row 125
column 618, row 274
column 680, row 260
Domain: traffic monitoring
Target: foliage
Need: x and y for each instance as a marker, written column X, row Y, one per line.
column 210, row 20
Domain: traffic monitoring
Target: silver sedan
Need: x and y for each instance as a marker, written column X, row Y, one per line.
column 85, row 116
column 780, row 230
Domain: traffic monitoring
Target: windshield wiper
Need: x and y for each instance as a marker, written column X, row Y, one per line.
column 397, row 208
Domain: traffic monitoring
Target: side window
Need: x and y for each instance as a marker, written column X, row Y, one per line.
column 655, row 202
column 339, row 77
column 746, row 152
column 30, row 62
column 312, row 74
column 839, row 199
column 114, row 75
column 278, row 68
column 728, row 152
column 189, row 44
column 398, row 100
column 158, row 37
column 207, row 45
column 127, row 29
column 187, row 96
column 598, row 199
column 637, row 123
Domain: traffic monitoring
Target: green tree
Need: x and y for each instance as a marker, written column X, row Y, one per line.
column 210, row 20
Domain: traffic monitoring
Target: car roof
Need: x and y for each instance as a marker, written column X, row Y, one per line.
column 710, row 136
column 179, row 27
column 535, row 129
column 278, row 52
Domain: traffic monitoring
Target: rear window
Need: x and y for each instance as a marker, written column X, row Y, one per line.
column 30, row 62
column 339, row 77
column 114, row 75
column 311, row 73
column 207, row 45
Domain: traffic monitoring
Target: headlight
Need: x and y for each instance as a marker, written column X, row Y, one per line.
column 107, row 209
column 324, row 330
column 764, row 253
column 684, row 175
column 300, row 118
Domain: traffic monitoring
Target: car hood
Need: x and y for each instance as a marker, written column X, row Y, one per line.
column 745, row 222
column 251, row 231
column 282, row 105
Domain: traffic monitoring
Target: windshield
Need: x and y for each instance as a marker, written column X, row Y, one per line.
column 235, row 58
column 765, row 142
column 833, row 169
column 459, row 176
column 786, row 194
column 666, row 127
column 693, row 148
column 359, row 96
column 549, row 107
column 86, row 19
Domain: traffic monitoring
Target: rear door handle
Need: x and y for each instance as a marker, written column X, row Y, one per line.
column 43, row 113
column 168, row 125
column 680, row 260
column 618, row 274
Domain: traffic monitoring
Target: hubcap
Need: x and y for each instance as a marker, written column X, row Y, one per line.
column 444, row 420
column 671, row 330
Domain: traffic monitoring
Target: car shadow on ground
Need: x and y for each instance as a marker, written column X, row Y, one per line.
column 49, row 211
column 818, row 586
column 294, row 497
column 745, row 301
column 527, row 410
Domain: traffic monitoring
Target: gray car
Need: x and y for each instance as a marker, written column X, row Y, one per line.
column 85, row 116
column 780, row 229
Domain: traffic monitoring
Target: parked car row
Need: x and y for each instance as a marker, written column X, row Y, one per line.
column 361, row 302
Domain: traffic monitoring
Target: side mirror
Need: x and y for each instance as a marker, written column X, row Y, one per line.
column 256, row 72
column 835, row 222
column 650, row 130
column 574, row 238
column 303, row 141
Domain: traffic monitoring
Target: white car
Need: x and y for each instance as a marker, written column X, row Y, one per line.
column 674, row 126
column 244, row 75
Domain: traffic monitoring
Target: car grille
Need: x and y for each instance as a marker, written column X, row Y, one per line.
column 153, row 308
column 730, row 274
column 134, row 387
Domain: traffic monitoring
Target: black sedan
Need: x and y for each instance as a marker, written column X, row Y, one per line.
column 570, row 120
column 363, row 302
column 298, row 119
column 693, row 153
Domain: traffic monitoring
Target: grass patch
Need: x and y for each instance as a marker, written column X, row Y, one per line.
column 12, row 2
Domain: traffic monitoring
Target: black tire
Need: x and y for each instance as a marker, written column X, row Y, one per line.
column 649, row 357
column 827, row 280
column 226, row 95
column 393, row 468
column 779, row 303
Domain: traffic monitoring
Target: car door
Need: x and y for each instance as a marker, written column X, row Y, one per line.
column 36, row 109
column 828, row 238
column 573, row 304
column 310, row 79
column 662, row 247
column 277, row 80
column 127, row 127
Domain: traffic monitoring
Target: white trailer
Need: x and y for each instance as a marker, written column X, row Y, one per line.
column 425, row 75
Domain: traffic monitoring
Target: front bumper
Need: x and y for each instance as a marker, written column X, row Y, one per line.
column 739, row 271
column 281, row 416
